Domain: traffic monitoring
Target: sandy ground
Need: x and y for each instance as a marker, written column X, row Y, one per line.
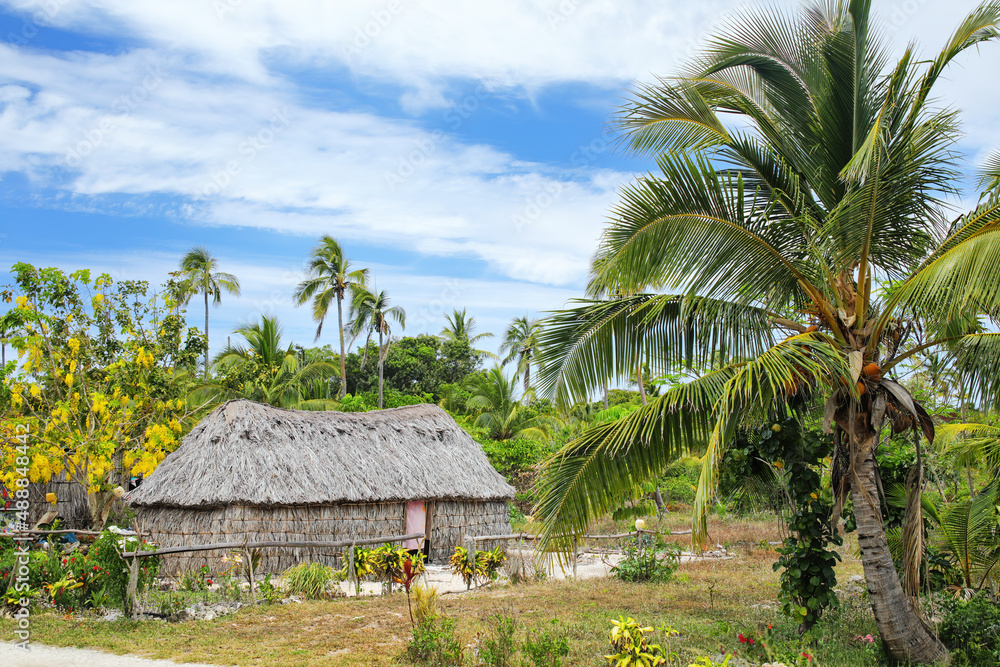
column 54, row 656
column 588, row 566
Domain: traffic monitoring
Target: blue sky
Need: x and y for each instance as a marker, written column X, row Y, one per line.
column 458, row 149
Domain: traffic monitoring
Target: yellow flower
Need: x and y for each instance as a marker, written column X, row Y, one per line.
column 814, row 496
column 74, row 345
column 35, row 391
column 22, row 302
column 779, row 464
column 69, row 379
column 72, row 366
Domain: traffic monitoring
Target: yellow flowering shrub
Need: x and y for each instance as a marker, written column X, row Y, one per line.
column 96, row 385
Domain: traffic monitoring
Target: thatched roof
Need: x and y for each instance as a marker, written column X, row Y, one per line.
column 254, row 454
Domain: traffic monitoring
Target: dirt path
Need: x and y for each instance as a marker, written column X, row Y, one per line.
column 55, row 656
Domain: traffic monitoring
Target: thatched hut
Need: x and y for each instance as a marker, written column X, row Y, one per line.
column 251, row 471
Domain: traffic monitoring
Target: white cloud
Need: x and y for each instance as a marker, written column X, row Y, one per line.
column 202, row 111
column 245, row 154
column 267, row 285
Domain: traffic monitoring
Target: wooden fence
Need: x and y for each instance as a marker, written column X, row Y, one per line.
column 132, row 557
column 471, row 541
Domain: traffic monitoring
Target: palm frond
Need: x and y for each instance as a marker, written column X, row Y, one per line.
column 587, row 478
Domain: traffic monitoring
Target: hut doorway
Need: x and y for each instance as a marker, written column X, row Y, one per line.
column 416, row 522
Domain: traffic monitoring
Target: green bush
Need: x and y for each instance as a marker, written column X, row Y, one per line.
column 971, row 629
column 434, row 643
column 514, row 454
column 647, row 558
column 311, row 581
column 114, row 580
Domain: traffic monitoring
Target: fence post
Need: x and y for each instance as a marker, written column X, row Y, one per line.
column 131, row 597
column 576, row 548
column 249, row 557
column 470, row 557
column 352, row 571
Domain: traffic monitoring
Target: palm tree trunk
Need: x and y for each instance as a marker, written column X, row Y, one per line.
column 206, row 334
column 527, row 376
column 343, row 367
column 906, row 635
column 379, row 370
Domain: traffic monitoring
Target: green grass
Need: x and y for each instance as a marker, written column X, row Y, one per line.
column 708, row 603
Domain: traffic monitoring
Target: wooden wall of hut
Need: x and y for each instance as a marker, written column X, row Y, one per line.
column 330, row 523
column 72, row 503
column 452, row 521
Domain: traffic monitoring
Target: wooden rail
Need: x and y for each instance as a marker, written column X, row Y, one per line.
column 270, row 544
column 471, row 541
column 246, row 547
column 126, row 533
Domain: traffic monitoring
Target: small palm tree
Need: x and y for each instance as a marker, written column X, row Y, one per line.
column 519, row 342
column 264, row 370
column 461, row 327
column 200, row 274
column 371, row 312
column 491, row 398
column 329, row 277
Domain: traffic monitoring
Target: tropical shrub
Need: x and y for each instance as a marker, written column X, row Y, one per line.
column 485, row 568
column 971, row 630
column 631, row 647
column 647, row 558
column 312, row 581
column 434, row 643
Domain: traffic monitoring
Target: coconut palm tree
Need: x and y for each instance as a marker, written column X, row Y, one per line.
column 371, row 312
column 264, row 370
column 797, row 250
column 329, row 277
column 491, row 398
column 519, row 342
column 200, row 274
column 462, row 327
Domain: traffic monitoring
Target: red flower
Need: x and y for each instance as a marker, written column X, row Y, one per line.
column 72, row 560
column 209, row 582
column 807, row 656
column 743, row 640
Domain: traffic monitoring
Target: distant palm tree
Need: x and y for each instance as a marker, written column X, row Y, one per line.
column 198, row 268
column 491, row 397
column 329, row 278
column 371, row 312
column 519, row 343
column 266, row 370
column 462, row 327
